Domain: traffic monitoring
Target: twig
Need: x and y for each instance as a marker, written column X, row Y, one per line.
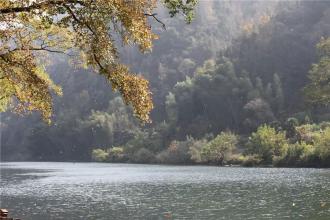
column 154, row 16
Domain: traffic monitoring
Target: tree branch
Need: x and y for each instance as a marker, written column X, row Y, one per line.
column 48, row 50
column 98, row 62
column 88, row 27
column 159, row 21
column 42, row 48
column 40, row 5
column 77, row 20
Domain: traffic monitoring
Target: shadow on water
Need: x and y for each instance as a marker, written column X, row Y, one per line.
column 18, row 175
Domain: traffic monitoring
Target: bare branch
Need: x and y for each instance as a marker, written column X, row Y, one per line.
column 41, row 48
column 159, row 21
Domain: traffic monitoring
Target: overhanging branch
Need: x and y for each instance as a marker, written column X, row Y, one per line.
column 34, row 6
column 154, row 16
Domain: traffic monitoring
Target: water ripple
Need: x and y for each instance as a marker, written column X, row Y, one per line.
column 125, row 191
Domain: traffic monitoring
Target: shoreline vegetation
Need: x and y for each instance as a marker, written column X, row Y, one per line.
column 171, row 164
column 289, row 145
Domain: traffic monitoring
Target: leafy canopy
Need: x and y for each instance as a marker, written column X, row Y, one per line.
column 318, row 91
column 86, row 31
column 220, row 148
column 267, row 143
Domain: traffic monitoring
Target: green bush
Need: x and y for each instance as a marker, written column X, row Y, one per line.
column 220, row 149
column 100, row 155
column 244, row 160
column 297, row 154
column 143, row 155
column 250, row 160
column 290, row 128
column 163, row 157
column 154, row 139
column 322, row 146
column 308, row 132
column 267, row 143
column 195, row 150
column 236, row 159
column 308, row 158
column 178, row 152
column 313, row 149
column 116, row 154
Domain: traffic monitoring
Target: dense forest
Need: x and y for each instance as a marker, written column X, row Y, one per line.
column 239, row 85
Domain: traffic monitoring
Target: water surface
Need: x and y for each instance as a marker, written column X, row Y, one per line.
column 39, row 191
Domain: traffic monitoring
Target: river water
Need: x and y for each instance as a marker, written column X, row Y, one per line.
column 41, row 191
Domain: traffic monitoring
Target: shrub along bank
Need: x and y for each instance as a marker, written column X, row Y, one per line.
column 306, row 145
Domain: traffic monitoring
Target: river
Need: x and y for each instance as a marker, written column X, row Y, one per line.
column 48, row 190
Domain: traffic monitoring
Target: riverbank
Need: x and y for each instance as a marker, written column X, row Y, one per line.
column 172, row 164
column 306, row 145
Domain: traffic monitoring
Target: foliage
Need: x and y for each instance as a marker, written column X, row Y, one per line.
column 195, row 150
column 290, row 127
column 295, row 155
column 114, row 154
column 318, row 91
column 310, row 132
column 114, row 126
column 100, row 155
column 267, row 143
column 258, row 112
column 117, row 154
column 186, row 7
column 322, row 146
column 143, row 155
column 171, row 111
column 152, row 139
column 310, row 149
column 220, row 148
column 248, row 160
column 84, row 30
column 177, row 152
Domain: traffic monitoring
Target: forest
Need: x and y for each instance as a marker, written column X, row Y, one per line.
column 245, row 83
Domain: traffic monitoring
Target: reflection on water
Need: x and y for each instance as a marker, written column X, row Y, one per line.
column 42, row 191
